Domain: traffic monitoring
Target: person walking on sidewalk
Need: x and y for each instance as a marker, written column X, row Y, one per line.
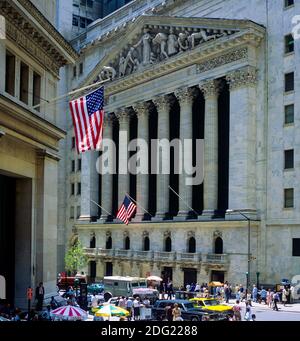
column 284, row 296
column 275, row 301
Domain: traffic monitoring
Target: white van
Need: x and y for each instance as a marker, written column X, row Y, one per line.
column 295, row 287
column 127, row 286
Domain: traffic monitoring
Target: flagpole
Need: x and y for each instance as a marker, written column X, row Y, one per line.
column 139, row 204
column 182, row 199
column 100, row 207
column 71, row 93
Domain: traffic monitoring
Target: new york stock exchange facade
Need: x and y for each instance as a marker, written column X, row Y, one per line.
column 173, row 75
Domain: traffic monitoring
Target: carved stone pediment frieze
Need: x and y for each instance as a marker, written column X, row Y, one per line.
column 154, row 46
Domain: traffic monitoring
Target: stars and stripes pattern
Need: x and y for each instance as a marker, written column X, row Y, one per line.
column 126, row 210
column 87, row 115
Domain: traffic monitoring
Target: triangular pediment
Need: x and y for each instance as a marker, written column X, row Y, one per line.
column 153, row 41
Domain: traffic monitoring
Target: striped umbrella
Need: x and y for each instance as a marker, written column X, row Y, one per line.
column 111, row 310
column 69, row 312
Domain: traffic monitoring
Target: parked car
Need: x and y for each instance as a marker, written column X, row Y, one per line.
column 211, row 304
column 188, row 312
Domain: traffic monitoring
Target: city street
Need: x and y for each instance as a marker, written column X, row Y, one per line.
column 263, row 313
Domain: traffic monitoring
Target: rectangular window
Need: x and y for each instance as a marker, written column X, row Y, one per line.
column 73, row 166
column 78, row 212
column 79, row 165
column 75, row 20
column 81, row 68
column 74, row 72
column 88, row 21
column 288, row 197
column 79, row 188
column 289, row 159
column 296, row 247
column 289, row 43
column 24, row 80
column 289, row 82
column 288, row 3
column 90, row 3
column 10, row 71
column 82, row 22
column 73, row 142
column 72, row 189
column 71, row 212
column 289, row 114
column 36, row 87
column 82, row 2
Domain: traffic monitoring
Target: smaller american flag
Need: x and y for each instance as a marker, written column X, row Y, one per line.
column 126, row 210
column 87, row 114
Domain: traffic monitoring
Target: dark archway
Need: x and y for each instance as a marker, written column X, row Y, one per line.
column 146, row 244
column 93, row 242
column 192, row 245
column 127, row 243
column 108, row 243
column 219, row 245
column 168, row 244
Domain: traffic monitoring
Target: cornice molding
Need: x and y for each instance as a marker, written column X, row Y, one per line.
column 48, row 48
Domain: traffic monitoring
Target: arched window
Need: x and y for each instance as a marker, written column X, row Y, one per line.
column 93, row 242
column 127, row 243
column 109, row 242
column 219, row 245
column 192, row 245
column 168, row 244
column 146, row 244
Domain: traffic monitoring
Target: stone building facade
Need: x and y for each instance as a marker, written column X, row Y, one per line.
column 32, row 54
column 175, row 69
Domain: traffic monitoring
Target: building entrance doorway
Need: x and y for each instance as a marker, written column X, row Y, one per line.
column 167, row 273
column 189, row 276
column 15, row 236
column 217, row 276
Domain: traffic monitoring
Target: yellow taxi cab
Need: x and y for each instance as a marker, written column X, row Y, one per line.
column 211, row 304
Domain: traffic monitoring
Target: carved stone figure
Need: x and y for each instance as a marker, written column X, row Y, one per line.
column 202, row 35
column 172, row 43
column 153, row 58
column 183, row 41
column 129, row 61
column 161, row 39
column 145, row 42
column 121, row 65
column 107, row 72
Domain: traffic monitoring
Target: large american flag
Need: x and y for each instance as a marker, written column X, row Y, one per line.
column 126, row 210
column 87, row 115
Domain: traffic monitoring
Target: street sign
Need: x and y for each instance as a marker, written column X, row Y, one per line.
column 29, row 293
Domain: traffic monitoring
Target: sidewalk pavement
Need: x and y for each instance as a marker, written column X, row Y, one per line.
column 292, row 308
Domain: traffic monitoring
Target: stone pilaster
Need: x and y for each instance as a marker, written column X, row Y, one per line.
column 142, row 178
column 107, row 178
column 123, row 175
column 210, row 92
column 89, row 185
column 162, row 104
column 185, row 98
column 242, row 147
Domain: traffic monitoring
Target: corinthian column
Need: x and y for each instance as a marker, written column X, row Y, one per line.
column 123, row 175
column 107, row 176
column 162, row 104
column 210, row 92
column 142, row 177
column 242, row 140
column 185, row 98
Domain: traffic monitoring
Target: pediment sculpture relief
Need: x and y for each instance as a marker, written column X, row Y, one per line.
column 155, row 45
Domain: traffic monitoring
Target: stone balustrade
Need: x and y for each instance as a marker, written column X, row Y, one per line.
column 210, row 258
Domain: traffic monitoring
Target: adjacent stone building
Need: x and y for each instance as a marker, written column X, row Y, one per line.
column 222, row 71
column 31, row 54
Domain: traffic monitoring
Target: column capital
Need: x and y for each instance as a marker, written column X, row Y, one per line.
column 123, row 115
column 210, row 88
column 185, row 95
column 141, row 108
column 162, row 102
column 108, row 119
column 246, row 76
